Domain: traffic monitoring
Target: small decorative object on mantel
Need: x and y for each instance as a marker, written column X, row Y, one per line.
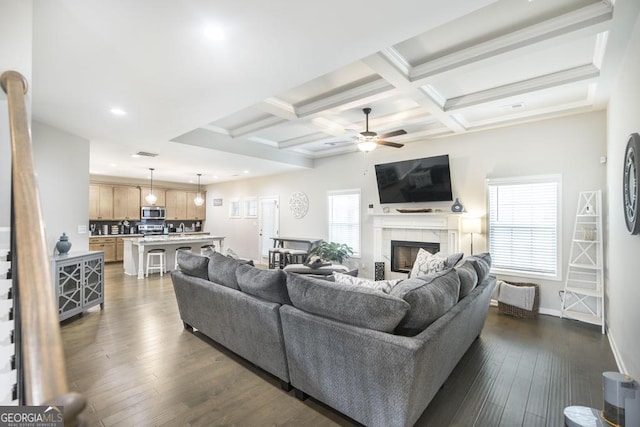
column 425, row 210
column 63, row 245
column 457, row 206
column 299, row 205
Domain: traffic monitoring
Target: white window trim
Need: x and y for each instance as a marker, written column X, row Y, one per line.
column 348, row 191
column 530, row 179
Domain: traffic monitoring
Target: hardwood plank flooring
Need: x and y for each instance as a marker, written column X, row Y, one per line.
column 137, row 365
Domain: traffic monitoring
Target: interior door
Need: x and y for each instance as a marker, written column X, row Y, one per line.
column 269, row 218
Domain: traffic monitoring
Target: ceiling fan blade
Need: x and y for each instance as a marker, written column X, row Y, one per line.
column 394, row 133
column 390, row 144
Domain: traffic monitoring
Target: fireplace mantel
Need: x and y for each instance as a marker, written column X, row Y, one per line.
column 437, row 227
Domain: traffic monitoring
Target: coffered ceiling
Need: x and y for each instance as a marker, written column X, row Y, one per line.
column 429, row 69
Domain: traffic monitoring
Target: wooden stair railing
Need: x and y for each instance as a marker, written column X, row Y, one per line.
column 43, row 372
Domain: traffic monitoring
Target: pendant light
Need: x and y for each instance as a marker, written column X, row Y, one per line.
column 151, row 198
column 198, row 201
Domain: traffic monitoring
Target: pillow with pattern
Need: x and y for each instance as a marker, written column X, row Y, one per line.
column 381, row 285
column 428, row 263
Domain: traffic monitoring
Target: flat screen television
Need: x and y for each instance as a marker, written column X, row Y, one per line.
column 418, row 180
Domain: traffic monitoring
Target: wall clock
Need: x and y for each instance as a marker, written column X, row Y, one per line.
column 631, row 184
column 299, row 205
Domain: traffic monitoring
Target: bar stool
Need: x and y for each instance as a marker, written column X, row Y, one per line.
column 297, row 256
column 161, row 261
column 285, row 257
column 274, row 257
column 181, row 248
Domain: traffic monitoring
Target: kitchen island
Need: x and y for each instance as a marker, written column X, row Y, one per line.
column 136, row 249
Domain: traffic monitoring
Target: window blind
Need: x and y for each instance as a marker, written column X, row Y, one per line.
column 523, row 225
column 344, row 218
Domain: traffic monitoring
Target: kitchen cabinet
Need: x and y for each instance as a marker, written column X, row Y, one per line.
column 159, row 193
column 100, row 202
column 126, row 203
column 79, row 282
column 196, row 212
column 106, row 245
column 120, row 248
column 176, row 204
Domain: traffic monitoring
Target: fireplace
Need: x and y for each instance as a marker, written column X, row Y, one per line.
column 403, row 253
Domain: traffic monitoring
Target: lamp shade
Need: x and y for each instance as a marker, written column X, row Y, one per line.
column 471, row 225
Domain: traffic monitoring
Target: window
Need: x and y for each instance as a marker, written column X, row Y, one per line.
column 524, row 218
column 344, row 218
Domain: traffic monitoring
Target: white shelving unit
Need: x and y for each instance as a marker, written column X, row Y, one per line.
column 583, row 297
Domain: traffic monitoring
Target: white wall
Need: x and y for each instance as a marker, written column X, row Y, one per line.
column 571, row 146
column 623, row 287
column 62, row 164
column 15, row 54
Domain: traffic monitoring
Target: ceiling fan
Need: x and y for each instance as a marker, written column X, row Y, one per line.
column 368, row 140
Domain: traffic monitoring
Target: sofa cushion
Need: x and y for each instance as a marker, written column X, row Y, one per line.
column 427, row 263
column 453, row 259
column 468, row 277
column 269, row 285
column 381, row 285
column 355, row 305
column 482, row 264
column 222, row 270
column 429, row 297
column 193, row 264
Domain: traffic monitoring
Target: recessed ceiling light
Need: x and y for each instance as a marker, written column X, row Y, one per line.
column 136, row 155
column 213, row 33
column 215, row 177
column 118, row 112
column 246, row 172
column 113, row 165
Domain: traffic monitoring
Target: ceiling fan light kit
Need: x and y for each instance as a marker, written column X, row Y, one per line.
column 368, row 140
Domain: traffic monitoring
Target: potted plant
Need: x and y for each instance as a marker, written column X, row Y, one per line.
column 332, row 251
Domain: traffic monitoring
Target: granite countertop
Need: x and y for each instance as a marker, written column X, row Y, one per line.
column 173, row 238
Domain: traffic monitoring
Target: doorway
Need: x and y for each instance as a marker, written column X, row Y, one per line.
column 269, row 218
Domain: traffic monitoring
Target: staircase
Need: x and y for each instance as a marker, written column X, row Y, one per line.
column 8, row 375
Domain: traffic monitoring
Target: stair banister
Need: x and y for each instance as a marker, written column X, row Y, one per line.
column 41, row 353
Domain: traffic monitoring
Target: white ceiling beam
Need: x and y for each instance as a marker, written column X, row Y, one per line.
column 302, row 140
column 255, row 126
column 585, row 17
column 388, row 69
column 278, row 108
column 584, row 72
column 361, row 89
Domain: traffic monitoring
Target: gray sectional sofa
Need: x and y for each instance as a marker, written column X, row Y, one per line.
column 377, row 357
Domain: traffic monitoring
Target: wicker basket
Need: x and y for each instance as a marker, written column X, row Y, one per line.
column 520, row 312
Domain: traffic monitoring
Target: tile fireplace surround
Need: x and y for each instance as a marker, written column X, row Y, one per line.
column 442, row 228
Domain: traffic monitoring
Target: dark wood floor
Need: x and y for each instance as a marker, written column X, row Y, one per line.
column 137, row 366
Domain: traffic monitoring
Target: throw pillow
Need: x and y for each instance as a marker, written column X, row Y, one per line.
column 355, row 305
column 468, row 277
column 381, row 285
column 482, row 264
column 222, row 270
column 427, row 263
column 429, row 297
column 266, row 284
column 193, row 265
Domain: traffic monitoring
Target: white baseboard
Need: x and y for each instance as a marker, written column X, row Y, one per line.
column 549, row 311
column 616, row 352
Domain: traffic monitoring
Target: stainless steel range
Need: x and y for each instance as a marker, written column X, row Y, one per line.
column 151, row 227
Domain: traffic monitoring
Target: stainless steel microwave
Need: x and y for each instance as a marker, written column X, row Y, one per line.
column 153, row 212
